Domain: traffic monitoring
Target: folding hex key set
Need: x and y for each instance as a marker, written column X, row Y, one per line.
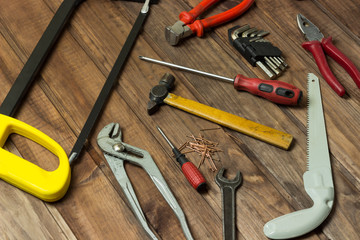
column 51, row 186
column 256, row 50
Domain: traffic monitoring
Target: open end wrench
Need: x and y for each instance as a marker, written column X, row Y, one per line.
column 228, row 188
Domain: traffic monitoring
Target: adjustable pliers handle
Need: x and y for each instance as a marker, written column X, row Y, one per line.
column 115, row 151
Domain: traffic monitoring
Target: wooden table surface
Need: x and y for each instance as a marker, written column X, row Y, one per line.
column 59, row 101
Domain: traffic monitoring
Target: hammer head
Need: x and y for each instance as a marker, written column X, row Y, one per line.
column 160, row 92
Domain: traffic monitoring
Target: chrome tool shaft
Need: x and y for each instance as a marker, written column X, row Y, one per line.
column 226, row 79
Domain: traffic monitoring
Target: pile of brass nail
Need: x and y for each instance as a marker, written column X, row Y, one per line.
column 205, row 148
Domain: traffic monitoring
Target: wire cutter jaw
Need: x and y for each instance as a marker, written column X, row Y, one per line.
column 174, row 33
column 311, row 31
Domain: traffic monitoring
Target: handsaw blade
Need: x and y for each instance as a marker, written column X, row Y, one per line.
column 317, row 144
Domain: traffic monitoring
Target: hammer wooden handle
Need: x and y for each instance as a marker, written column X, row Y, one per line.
column 242, row 125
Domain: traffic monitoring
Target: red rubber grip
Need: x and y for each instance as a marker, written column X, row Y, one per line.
column 190, row 17
column 275, row 91
column 193, row 175
column 316, row 49
column 198, row 27
column 340, row 58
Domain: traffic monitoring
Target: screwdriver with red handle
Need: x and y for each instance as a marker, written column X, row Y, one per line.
column 192, row 174
column 276, row 91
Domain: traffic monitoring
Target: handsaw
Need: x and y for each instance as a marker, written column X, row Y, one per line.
column 46, row 185
column 318, row 180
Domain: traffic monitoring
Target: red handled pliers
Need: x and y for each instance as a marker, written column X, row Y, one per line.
column 317, row 44
column 188, row 25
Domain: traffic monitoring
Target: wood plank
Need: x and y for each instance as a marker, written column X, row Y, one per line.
column 37, row 104
column 97, row 206
column 343, row 13
column 25, row 217
column 62, row 97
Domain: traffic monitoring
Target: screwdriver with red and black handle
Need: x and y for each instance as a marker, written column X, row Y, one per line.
column 192, row 174
column 274, row 90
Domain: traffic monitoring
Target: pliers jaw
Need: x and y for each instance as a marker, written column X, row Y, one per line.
column 318, row 46
column 112, row 130
column 311, row 31
column 174, row 33
column 110, row 141
column 110, row 138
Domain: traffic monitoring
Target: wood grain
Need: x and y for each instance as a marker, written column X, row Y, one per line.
column 62, row 97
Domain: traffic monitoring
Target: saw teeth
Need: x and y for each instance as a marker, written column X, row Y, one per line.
column 307, row 123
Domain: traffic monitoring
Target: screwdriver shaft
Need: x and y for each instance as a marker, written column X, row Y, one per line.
column 164, row 136
column 190, row 171
column 225, row 79
column 276, row 91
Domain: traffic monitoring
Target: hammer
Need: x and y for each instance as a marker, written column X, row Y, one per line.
column 160, row 94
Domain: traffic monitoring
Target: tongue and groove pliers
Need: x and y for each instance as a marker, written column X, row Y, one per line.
column 188, row 25
column 317, row 45
column 116, row 152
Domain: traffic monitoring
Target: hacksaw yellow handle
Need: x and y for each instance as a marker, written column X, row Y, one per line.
column 242, row 125
column 46, row 185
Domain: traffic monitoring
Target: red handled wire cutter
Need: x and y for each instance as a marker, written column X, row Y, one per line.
column 188, row 25
column 317, row 44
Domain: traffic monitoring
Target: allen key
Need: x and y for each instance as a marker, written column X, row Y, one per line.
column 257, row 50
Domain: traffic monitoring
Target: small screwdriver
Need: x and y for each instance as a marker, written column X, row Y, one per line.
column 191, row 172
column 275, row 91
